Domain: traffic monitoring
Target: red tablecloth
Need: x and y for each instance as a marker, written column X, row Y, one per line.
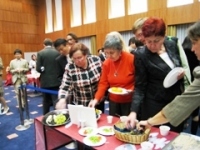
column 31, row 79
column 72, row 131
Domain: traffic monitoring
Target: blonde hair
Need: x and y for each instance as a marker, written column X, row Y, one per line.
column 138, row 24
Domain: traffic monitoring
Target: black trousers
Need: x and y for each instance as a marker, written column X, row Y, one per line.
column 49, row 100
column 116, row 109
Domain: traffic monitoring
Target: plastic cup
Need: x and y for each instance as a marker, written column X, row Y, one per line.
column 109, row 119
column 164, row 130
column 123, row 118
column 146, row 145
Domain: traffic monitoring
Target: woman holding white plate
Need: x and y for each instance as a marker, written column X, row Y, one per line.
column 153, row 62
column 118, row 72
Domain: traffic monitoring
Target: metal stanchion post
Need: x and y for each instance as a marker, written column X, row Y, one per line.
column 22, row 126
column 28, row 120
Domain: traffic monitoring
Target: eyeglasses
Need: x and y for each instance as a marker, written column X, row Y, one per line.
column 78, row 59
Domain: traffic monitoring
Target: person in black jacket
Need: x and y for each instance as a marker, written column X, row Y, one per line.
column 62, row 46
column 152, row 63
column 46, row 65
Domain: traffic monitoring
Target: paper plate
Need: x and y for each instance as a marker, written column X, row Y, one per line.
column 117, row 90
column 171, row 77
column 94, row 140
column 88, row 131
column 106, row 130
column 126, row 146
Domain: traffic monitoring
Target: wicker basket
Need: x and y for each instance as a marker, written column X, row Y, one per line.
column 129, row 138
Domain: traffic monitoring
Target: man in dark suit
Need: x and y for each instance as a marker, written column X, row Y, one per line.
column 46, row 65
column 62, row 46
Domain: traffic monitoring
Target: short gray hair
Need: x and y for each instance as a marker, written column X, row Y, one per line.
column 114, row 41
column 194, row 31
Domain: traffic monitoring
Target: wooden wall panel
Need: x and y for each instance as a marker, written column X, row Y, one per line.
column 19, row 28
column 184, row 14
column 103, row 25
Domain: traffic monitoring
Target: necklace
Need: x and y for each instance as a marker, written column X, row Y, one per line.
column 116, row 70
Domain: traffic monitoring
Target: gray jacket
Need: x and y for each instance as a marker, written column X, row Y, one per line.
column 182, row 106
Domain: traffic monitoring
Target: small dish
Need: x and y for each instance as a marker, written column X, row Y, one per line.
column 106, row 130
column 88, row 131
column 118, row 90
column 172, row 77
column 94, row 140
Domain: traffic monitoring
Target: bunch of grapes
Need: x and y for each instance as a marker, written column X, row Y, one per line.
column 59, row 119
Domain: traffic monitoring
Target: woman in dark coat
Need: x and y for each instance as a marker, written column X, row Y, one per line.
column 153, row 62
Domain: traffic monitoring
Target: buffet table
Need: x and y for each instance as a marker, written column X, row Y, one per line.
column 53, row 137
column 34, row 79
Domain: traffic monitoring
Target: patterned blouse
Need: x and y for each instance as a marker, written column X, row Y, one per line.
column 82, row 83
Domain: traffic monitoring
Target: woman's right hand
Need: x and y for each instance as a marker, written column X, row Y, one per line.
column 131, row 121
column 61, row 104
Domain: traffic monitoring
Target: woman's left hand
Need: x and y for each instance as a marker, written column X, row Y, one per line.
column 181, row 74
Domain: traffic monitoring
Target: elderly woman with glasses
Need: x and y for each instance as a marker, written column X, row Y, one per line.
column 81, row 77
column 153, row 62
column 118, row 71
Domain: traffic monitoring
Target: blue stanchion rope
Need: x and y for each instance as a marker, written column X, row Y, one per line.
column 40, row 89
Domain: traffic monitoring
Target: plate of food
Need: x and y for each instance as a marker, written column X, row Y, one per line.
column 88, row 131
column 94, row 140
column 117, row 90
column 56, row 118
column 172, row 77
column 106, row 130
column 99, row 112
column 98, row 116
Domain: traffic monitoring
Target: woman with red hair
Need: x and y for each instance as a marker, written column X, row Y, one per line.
column 152, row 63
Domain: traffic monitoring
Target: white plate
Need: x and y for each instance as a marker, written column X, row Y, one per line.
column 171, row 77
column 126, row 147
column 106, row 130
column 98, row 117
column 88, row 131
column 123, row 91
column 88, row 141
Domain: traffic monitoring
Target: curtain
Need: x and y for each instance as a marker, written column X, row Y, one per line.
column 126, row 36
column 171, row 30
column 86, row 41
column 182, row 31
column 93, row 45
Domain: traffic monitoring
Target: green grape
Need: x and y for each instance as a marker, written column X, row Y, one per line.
column 59, row 119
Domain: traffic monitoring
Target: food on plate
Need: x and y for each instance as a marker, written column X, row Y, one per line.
column 116, row 89
column 49, row 118
column 56, row 119
column 88, row 131
column 108, row 130
column 59, row 119
column 95, row 139
column 98, row 111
